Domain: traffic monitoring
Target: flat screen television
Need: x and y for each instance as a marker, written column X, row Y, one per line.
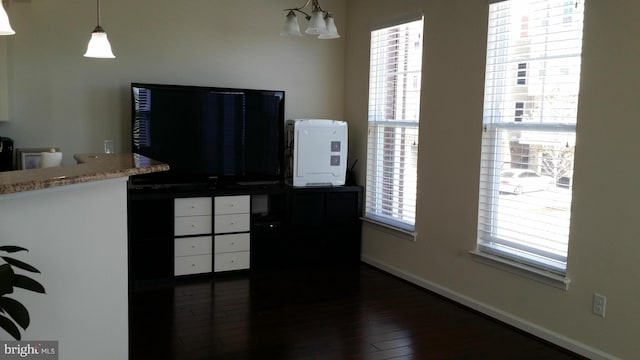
column 208, row 135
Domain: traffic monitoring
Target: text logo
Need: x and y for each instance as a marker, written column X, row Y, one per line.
column 40, row 350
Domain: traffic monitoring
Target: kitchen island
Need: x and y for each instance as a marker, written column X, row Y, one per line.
column 89, row 168
column 73, row 220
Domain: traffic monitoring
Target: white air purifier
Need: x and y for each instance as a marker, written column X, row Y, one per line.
column 316, row 152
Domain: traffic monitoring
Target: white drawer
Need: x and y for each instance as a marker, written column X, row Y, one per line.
column 195, row 264
column 231, row 223
column 200, row 245
column 192, row 206
column 192, row 225
column 232, row 204
column 231, row 261
column 232, row 243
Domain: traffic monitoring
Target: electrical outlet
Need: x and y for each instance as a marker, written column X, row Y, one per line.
column 599, row 304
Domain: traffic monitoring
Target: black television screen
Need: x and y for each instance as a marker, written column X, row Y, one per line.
column 208, row 134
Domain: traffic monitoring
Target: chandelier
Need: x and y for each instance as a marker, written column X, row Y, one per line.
column 321, row 22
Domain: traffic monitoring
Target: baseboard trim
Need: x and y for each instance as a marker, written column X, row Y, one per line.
column 531, row 328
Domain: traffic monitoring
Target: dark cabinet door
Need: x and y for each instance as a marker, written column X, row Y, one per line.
column 343, row 218
column 324, row 225
column 150, row 238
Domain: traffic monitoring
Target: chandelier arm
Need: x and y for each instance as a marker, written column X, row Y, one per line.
column 306, row 15
column 299, row 9
column 316, row 6
column 305, row 5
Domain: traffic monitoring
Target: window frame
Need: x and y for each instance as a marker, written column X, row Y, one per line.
column 491, row 248
column 408, row 130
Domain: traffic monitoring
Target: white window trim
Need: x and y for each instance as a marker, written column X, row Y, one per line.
column 518, row 263
column 398, row 227
column 530, row 272
column 397, row 231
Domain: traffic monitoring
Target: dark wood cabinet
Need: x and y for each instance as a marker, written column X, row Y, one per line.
column 288, row 227
column 150, row 224
column 324, row 225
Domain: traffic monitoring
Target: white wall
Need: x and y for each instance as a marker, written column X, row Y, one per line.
column 604, row 250
column 57, row 97
column 77, row 238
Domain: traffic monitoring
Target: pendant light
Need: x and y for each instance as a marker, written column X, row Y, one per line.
column 99, row 46
column 5, row 26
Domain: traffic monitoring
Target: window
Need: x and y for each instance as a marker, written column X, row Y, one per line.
column 528, row 138
column 519, row 111
column 394, row 111
column 522, row 74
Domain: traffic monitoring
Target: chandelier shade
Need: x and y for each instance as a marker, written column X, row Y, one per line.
column 291, row 27
column 5, row 26
column 332, row 31
column 317, row 26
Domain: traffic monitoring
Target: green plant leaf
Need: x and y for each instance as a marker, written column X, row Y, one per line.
column 20, row 264
column 7, row 325
column 12, row 248
column 27, row 283
column 6, row 279
column 16, row 310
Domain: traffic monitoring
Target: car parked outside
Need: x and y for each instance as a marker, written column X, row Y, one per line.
column 518, row 181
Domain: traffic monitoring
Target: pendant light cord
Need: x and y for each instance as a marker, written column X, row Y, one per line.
column 98, row 12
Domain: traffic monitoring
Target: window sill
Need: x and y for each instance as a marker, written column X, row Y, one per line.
column 557, row 281
column 402, row 233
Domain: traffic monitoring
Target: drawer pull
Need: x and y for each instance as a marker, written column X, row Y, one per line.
column 193, row 265
column 232, row 243
column 193, row 246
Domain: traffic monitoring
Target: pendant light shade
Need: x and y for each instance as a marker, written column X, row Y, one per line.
column 291, row 27
column 5, row 26
column 99, row 46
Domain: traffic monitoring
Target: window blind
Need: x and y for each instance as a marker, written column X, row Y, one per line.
column 393, row 114
column 528, row 142
column 142, row 122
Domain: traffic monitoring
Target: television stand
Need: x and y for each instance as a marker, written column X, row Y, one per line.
column 283, row 227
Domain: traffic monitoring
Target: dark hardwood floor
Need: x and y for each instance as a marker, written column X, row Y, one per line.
column 343, row 313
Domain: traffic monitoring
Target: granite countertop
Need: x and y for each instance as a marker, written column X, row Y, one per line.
column 89, row 167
